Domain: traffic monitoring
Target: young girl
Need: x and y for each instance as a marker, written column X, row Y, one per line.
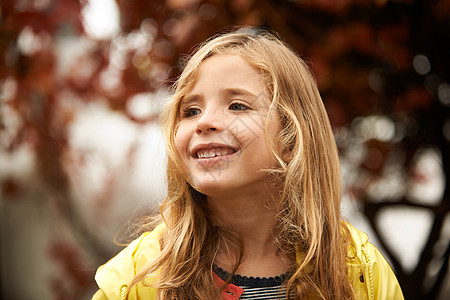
column 253, row 204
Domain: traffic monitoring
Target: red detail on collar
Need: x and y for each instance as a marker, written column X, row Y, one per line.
column 231, row 291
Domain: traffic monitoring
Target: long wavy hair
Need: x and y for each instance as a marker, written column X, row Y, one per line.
column 308, row 177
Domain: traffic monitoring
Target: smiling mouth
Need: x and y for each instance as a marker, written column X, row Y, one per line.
column 214, row 152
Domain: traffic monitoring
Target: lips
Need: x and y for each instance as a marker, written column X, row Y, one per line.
column 208, row 151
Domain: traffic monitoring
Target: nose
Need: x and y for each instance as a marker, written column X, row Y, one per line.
column 209, row 121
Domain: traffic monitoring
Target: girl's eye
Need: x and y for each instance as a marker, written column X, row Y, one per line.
column 238, row 106
column 190, row 112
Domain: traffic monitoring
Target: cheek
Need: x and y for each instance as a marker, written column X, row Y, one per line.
column 181, row 140
column 178, row 142
column 181, row 150
column 274, row 128
column 274, row 135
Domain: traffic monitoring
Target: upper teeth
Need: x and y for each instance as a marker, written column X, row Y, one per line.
column 208, row 153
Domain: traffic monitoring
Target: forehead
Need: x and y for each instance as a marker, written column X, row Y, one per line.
column 226, row 72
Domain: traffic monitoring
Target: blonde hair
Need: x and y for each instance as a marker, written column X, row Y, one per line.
column 308, row 173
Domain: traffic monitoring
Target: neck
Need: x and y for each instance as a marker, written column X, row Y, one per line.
column 253, row 220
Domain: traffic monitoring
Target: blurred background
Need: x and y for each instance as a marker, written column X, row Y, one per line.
column 82, row 84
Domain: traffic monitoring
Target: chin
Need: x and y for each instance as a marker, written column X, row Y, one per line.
column 209, row 187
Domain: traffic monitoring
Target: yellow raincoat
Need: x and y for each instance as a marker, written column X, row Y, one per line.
column 368, row 271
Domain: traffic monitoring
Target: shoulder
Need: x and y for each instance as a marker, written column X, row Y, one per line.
column 368, row 270
column 116, row 275
column 356, row 239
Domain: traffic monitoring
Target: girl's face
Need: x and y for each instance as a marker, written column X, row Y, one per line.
column 221, row 135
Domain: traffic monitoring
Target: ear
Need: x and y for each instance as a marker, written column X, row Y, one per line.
column 287, row 156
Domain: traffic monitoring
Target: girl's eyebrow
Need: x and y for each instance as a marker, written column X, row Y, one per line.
column 233, row 92
column 228, row 93
column 190, row 98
